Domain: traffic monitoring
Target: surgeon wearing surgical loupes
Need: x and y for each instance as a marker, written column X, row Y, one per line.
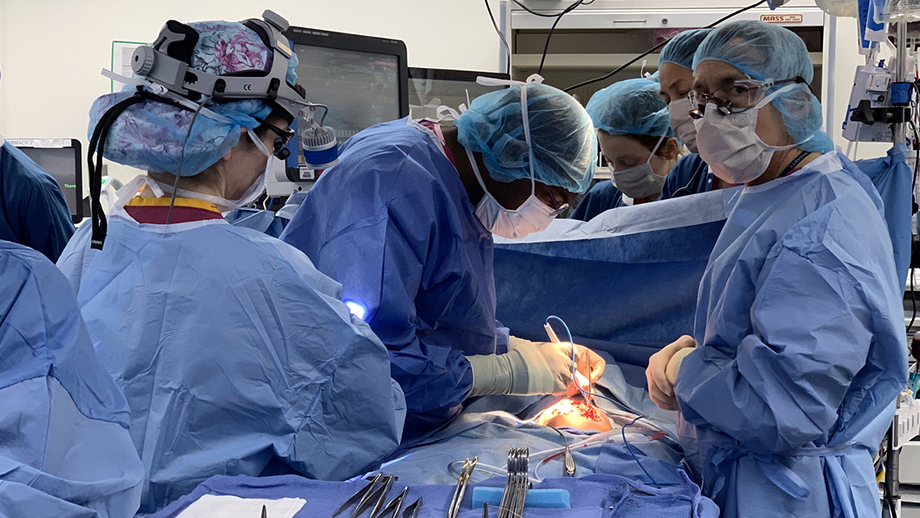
column 234, row 353
column 405, row 223
column 787, row 386
column 675, row 76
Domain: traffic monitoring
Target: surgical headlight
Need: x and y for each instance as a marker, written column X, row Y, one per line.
column 319, row 144
column 168, row 63
column 164, row 73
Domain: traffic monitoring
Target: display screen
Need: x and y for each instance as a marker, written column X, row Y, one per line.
column 61, row 163
column 426, row 94
column 360, row 88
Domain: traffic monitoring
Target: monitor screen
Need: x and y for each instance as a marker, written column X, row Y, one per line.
column 61, row 158
column 360, row 88
column 430, row 88
column 362, row 79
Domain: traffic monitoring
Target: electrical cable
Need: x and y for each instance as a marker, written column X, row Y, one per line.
column 653, row 49
column 97, row 148
column 188, row 134
column 544, row 15
column 629, row 449
column 915, row 89
column 500, row 36
column 549, row 36
column 585, row 395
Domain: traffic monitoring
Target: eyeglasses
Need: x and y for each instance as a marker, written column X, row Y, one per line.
column 557, row 209
column 740, row 96
column 279, row 147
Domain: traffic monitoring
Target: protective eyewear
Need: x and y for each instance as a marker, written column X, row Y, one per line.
column 279, row 147
column 740, row 96
column 557, row 209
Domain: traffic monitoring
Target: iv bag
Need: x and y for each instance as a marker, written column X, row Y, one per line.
column 849, row 8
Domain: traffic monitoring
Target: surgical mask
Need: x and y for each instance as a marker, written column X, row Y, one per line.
column 224, row 205
column 640, row 181
column 532, row 216
column 730, row 145
column 258, row 185
column 682, row 124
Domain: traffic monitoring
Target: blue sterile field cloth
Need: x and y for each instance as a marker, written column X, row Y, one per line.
column 597, row 496
column 489, row 427
column 625, row 282
column 893, row 179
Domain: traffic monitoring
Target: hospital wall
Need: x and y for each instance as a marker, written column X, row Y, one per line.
column 51, row 51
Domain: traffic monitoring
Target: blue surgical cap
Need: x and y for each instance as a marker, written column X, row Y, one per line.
column 766, row 51
column 151, row 135
column 680, row 48
column 564, row 147
column 630, row 107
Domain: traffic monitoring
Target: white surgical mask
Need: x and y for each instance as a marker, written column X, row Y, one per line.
column 532, row 216
column 731, row 147
column 640, row 181
column 224, row 205
column 682, row 123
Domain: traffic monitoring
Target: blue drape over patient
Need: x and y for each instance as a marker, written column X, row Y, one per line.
column 625, row 282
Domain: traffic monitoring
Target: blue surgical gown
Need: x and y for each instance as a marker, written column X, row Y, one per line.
column 32, row 207
column 601, row 197
column 690, row 176
column 393, row 223
column 231, row 350
column 65, row 450
column 802, row 349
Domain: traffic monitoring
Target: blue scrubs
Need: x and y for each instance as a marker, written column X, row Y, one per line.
column 32, row 207
column 802, row 350
column 601, row 197
column 393, row 223
column 232, row 350
column 65, row 450
column 690, row 176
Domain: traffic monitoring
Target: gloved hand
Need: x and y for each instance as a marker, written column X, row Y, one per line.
column 591, row 367
column 662, row 371
column 532, row 368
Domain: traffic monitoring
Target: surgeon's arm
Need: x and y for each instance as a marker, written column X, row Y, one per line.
column 812, row 328
column 45, row 220
column 533, row 368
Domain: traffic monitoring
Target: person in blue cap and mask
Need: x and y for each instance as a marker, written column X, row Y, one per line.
column 787, row 386
column 405, row 223
column 233, row 351
column 675, row 74
column 634, row 135
column 66, row 451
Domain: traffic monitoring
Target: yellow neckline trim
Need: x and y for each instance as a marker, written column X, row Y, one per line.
column 180, row 202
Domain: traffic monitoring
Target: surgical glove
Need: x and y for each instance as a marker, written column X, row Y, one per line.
column 549, row 365
column 660, row 388
column 590, row 364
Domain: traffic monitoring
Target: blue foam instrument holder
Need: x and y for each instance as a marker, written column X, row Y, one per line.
column 536, row 498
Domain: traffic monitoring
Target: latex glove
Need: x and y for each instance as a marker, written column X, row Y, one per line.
column 549, row 365
column 660, row 388
column 590, row 366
